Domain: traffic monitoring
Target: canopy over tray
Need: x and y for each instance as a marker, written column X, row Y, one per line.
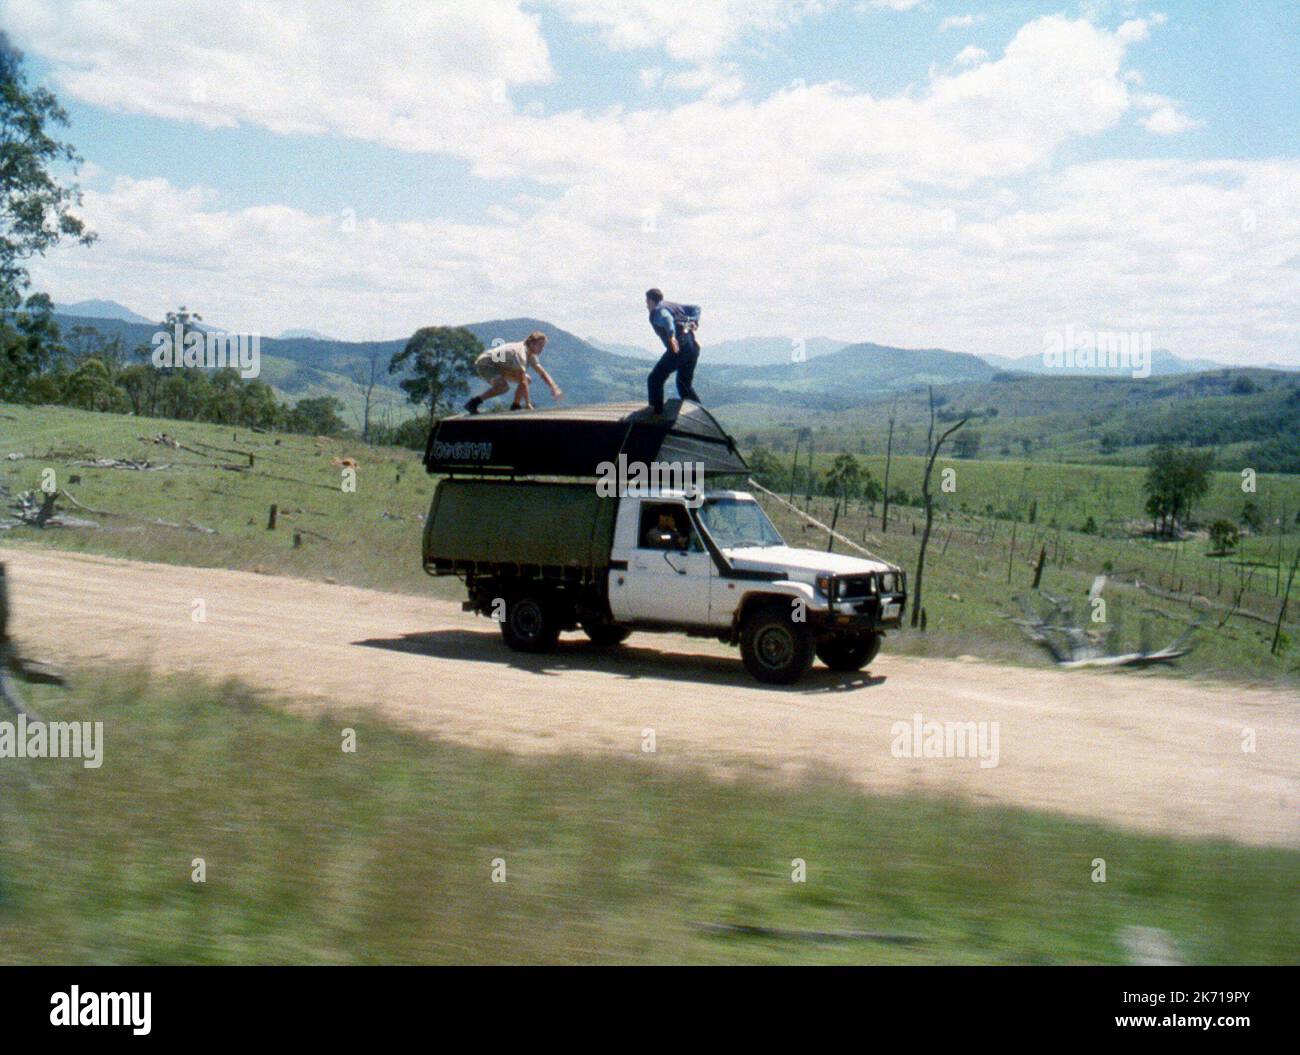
column 574, row 441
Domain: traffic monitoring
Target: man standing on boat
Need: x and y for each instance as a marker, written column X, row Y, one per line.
column 676, row 325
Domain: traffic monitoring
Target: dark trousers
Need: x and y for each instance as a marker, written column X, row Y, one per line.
column 683, row 363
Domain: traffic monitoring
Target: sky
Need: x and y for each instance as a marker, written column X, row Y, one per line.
column 972, row 176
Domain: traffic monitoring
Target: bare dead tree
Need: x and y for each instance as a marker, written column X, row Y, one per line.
column 932, row 447
column 807, row 494
column 1277, row 630
column 889, row 458
column 794, row 465
column 1244, row 579
column 366, row 375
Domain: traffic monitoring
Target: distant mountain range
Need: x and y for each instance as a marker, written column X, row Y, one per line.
column 830, row 375
column 307, row 335
column 772, row 351
column 747, row 351
column 101, row 309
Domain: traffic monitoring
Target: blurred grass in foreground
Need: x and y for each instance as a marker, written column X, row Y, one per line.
column 314, row 855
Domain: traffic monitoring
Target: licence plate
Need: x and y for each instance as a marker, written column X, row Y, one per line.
column 892, row 610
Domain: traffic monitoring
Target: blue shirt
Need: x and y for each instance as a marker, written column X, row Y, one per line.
column 662, row 321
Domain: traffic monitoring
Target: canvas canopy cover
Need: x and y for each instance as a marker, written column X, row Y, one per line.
column 574, row 441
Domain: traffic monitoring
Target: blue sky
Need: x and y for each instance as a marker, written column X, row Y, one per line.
column 930, row 175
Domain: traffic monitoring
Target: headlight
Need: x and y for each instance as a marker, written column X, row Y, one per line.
column 825, row 581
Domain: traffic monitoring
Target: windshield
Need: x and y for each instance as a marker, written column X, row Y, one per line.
column 737, row 522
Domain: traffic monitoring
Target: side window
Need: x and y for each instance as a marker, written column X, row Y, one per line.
column 665, row 526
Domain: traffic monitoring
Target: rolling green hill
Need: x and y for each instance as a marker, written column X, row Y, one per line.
column 1250, row 416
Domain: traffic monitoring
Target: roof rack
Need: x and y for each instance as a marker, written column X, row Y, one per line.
column 576, row 441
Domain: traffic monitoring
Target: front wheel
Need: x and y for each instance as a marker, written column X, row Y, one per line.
column 849, row 653
column 775, row 648
column 530, row 624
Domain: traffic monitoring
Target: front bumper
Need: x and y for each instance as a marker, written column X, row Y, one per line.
column 866, row 602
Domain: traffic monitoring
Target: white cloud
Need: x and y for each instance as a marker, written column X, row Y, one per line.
column 935, row 215
column 970, row 55
column 713, row 82
column 1138, row 29
column 422, row 75
column 695, row 31
column 444, row 87
column 1163, row 115
column 959, row 22
column 1167, row 121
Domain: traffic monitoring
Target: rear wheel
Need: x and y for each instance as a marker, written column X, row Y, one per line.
column 530, row 624
column 775, row 648
column 849, row 653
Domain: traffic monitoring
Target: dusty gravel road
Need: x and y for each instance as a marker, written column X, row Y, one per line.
column 1136, row 750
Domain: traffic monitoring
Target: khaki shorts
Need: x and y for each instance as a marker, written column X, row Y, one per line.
column 487, row 369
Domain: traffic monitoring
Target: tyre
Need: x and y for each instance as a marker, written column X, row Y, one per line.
column 775, row 648
column 849, row 653
column 530, row 624
column 604, row 635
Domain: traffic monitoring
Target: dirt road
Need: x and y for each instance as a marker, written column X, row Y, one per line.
column 1136, row 750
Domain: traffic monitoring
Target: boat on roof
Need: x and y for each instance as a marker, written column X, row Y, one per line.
column 575, row 441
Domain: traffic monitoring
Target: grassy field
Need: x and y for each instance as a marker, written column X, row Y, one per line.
column 1067, row 495
column 386, row 854
column 974, row 579
column 370, row 536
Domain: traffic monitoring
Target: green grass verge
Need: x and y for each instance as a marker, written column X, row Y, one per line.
column 385, row 855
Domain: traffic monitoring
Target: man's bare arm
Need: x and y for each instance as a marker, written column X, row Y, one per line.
column 541, row 372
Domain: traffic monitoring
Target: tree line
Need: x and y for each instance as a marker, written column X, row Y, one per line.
column 91, row 371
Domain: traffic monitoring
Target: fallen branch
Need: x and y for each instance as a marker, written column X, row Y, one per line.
column 119, row 463
column 189, row 525
column 86, row 509
column 1072, row 647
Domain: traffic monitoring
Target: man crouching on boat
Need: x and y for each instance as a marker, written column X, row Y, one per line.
column 508, row 364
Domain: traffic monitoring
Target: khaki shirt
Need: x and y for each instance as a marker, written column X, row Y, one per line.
column 512, row 355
